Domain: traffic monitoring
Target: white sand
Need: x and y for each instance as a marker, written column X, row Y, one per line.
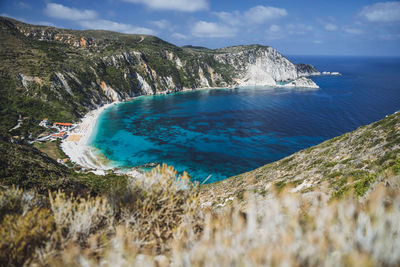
column 80, row 151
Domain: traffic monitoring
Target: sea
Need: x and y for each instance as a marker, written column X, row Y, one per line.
column 218, row 133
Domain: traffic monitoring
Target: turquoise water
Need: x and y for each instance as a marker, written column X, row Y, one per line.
column 225, row 132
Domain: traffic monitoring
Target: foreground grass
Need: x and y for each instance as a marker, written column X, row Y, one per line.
column 158, row 220
column 335, row 204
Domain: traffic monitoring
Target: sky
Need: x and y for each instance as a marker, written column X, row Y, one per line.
column 296, row 27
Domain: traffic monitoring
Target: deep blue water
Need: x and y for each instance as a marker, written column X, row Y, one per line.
column 226, row 132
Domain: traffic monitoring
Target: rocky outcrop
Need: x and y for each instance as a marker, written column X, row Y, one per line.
column 26, row 80
column 256, row 76
column 143, row 85
column 264, row 66
column 302, row 82
column 306, row 70
column 63, row 82
column 84, row 69
column 257, row 64
column 109, row 92
column 83, row 42
column 334, row 73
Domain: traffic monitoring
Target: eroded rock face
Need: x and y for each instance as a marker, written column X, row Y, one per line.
column 101, row 67
column 26, row 80
column 83, row 42
column 257, row 64
column 130, row 73
column 302, row 82
column 257, row 76
column 143, row 85
column 64, row 83
column 306, row 70
column 109, row 92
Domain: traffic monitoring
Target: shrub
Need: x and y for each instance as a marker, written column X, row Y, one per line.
column 158, row 221
column 20, row 235
column 155, row 204
column 284, row 229
column 77, row 218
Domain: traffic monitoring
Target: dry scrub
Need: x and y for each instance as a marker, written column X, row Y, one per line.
column 158, row 221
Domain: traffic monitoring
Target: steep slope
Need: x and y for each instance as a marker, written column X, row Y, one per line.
column 352, row 162
column 162, row 219
column 61, row 74
column 26, row 167
column 257, row 65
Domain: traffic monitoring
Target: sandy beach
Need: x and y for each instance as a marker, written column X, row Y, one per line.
column 76, row 145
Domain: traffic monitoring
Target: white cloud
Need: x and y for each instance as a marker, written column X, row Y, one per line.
column 162, row 24
column 382, row 12
column 274, row 28
column 114, row 26
column 330, row 27
column 24, row 5
column 329, row 24
column 212, row 30
column 261, row 14
column 178, row 5
column 278, row 32
column 89, row 19
column 298, row 29
column 254, row 15
column 230, row 22
column 229, row 18
column 178, row 36
column 318, row 42
column 62, row 12
column 353, row 31
column 390, row 37
column 274, row 32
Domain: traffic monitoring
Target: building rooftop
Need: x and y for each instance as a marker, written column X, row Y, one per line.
column 59, row 134
column 63, row 123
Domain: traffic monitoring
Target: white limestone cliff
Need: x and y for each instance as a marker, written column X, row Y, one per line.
column 302, row 82
column 257, row 76
column 264, row 66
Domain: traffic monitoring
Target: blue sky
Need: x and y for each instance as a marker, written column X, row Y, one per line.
column 297, row 27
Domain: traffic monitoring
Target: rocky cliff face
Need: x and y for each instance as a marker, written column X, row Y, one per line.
column 84, row 69
column 306, row 70
column 258, row 65
column 302, row 82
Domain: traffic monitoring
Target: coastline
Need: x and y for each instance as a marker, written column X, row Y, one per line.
column 78, row 150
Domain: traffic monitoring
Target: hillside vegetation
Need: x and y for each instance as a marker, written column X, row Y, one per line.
column 160, row 221
column 28, row 168
column 61, row 74
column 58, row 73
column 297, row 211
column 334, row 204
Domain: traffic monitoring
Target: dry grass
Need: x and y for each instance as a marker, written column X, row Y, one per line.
column 50, row 148
column 159, row 221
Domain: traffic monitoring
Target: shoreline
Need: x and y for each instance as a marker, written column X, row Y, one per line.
column 79, row 151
